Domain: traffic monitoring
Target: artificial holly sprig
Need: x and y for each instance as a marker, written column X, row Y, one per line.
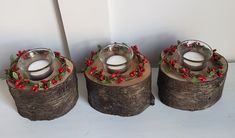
column 117, row 77
column 186, row 73
column 14, row 77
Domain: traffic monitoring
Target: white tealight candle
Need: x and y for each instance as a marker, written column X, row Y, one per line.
column 116, row 60
column 38, row 65
column 194, row 56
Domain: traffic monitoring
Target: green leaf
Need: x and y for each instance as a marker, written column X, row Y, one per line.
column 63, row 74
column 30, row 84
column 160, row 62
column 211, row 74
column 195, row 80
column 56, row 78
column 15, row 75
column 49, row 83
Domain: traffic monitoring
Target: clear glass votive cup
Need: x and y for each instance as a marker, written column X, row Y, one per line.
column 116, row 57
column 194, row 54
column 37, row 64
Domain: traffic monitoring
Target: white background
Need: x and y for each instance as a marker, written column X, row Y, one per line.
column 26, row 24
column 155, row 24
column 151, row 24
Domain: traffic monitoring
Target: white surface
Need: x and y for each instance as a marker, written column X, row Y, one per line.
column 156, row 24
column 86, row 24
column 26, row 24
column 38, row 65
column 195, row 56
column 156, row 121
column 151, row 24
column 116, row 60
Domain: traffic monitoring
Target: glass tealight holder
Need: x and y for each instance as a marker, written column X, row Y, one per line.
column 37, row 64
column 194, row 54
column 116, row 57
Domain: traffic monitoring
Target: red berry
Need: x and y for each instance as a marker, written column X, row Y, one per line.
column 202, row 78
column 184, row 70
column 185, row 76
column 102, row 72
column 57, row 54
column 215, row 57
column 61, row 70
column 145, row 61
column 93, row 69
column 21, row 86
column 14, row 68
column 89, row 62
column 102, row 78
column 140, row 74
column 173, row 48
column 113, row 75
column 35, row 88
column 20, row 53
column 45, row 87
column 17, row 83
column 44, row 81
column 221, row 67
column 135, row 49
column 68, row 70
column 142, row 70
column 54, row 82
column 164, row 60
column 121, row 79
column 133, row 74
column 26, row 81
column 172, row 62
column 219, row 74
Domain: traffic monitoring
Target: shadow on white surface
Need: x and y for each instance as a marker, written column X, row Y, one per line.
column 82, row 90
column 6, row 97
column 154, row 83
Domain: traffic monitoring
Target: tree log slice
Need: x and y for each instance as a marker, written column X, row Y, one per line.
column 179, row 93
column 125, row 99
column 48, row 104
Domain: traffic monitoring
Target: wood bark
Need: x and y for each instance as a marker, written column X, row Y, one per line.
column 47, row 104
column 126, row 99
column 186, row 95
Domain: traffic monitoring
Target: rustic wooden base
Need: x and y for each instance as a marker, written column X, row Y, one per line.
column 126, row 99
column 50, row 104
column 186, row 95
column 119, row 100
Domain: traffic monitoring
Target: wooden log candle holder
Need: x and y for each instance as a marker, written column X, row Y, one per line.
column 45, row 99
column 123, row 94
column 182, row 88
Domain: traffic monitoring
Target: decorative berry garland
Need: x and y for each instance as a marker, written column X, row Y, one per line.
column 186, row 73
column 14, row 77
column 117, row 77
